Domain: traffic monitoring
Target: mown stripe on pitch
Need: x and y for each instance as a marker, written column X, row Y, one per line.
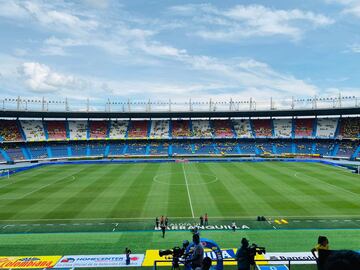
column 92, row 185
column 272, row 193
column 204, row 200
column 249, row 188
column 155, row 202
column 221, row 193
column 15, row 207
column 299, row 189
column 132, row 199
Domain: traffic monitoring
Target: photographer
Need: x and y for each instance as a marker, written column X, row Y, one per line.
column 197, row 254
column 127, row 253
column 242, row 255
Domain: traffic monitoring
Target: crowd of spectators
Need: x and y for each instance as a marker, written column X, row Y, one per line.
column 159, row 129
column 78, row 130
column 304, row 127
column 201, row 129
column 9, row 131
column 138, row 129
column 350, row 127
column 118, row 129
column 326, row 127
column 98, row 129
column 223, row 129
column 33, row 129
column 282, row 128
column 242, row 128
column 262, row 127
column 56, row 130
column 181, row 128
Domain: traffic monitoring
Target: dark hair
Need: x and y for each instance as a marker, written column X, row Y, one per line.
column 322, row 239
column 244, row 242
column 196, row 238
column 343, row 259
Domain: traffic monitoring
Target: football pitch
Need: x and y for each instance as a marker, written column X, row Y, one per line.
column 297, row 199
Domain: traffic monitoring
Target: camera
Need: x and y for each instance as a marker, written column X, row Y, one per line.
column 253, row 250
column 176, row 253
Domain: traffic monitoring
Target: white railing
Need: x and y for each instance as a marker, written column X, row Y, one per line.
column 67, row 105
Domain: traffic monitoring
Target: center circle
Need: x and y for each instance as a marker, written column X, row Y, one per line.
column 165, row 179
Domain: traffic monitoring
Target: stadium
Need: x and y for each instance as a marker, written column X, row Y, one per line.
column 183, row 134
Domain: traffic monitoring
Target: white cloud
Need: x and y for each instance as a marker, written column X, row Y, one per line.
column 40, row 78
column 249, row 21
column 355, row 48
column 350, row 6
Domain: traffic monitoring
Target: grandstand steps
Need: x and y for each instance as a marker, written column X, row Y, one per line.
column 147, row 151
column 18, row 124
column 125, row 149
column 337, row 131
column 45, row 130
column 336, row 149
column 88, row 152
column 107, row 149
column 5, row 155
column 293, row 128
column 67, row 129
column 356, row 153
column 293, row 148
column 49, row 152
column 313, row 148
column 274, row 150
column 69, row 151
column 26, row 152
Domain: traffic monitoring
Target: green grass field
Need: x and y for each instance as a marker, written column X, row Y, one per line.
column 118, row 203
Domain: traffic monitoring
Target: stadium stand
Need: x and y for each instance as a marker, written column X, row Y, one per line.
column 283, row 147
column 304, row 127
column 157, row 148
column 247, row 147
column 347, row 148
column 9, row 131
column 56, row 130
column 282, row 128
column 180, row 128
column 15, row 152
column 265, row 148
column 243, row 128
column 79, row 149
column 304, row 147
column 227, row 148
column 324, row 147
column 159, row 129
column 97, row 149
column 204, row 147
column 182, row 148
column 33, row 129
column 59, row 150
column 326, row 127
column 222, row 129
column 201, row 129
column 78, row 130
column 118, row 129
column 350, row 127
column 117, row 149
column 98, row 129
column 138, row 129
column 262, row 128
column 38, row 151
column 136, row 148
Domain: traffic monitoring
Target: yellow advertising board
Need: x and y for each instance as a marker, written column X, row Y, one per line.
column 26, row 262
column 152, row 255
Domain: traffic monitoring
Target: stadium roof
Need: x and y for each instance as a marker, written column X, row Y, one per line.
column 181, row 114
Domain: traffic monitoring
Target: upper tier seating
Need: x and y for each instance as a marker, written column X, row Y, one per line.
column 159, row 129
column 136, row 148
column 201, row 129
column 180, row 128
column 9, row 131
column 59, row 149
column 282, row 128
column 326, row 127
column 157, row 148
column 304, row 127
column 37, row 151
column 33, row 129
column 350, row 127
column 98, row 129
column 118, row 129
column 138, row 129
column 243, row 128
column 262, row 127
column 204, row 148
column 78, row 130
column 227, row 148
column 56, row 130
column 222, row 129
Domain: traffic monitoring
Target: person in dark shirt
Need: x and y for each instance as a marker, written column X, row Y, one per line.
column 242, row 255
column 206, row 218
column 201, row 220
column 156, row 222
column 163, row 229
column 166, row 221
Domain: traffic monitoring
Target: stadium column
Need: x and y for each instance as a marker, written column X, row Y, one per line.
column 314, row 127
column 5, row 155
column 356, row 153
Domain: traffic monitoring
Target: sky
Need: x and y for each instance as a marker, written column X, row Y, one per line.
column 161, row 50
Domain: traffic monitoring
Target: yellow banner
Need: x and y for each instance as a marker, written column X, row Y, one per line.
column 26, row 262
column 152, row 255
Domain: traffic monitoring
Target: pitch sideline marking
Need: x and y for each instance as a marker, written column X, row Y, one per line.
column 187, row 187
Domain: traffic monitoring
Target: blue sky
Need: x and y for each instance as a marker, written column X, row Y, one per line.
column 143, row 49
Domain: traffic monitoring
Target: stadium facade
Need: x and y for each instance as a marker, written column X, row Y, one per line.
column 47, row 135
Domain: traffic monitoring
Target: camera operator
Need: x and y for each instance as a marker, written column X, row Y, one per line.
column 197, row 254
column 242, row 255
column 127, row 253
